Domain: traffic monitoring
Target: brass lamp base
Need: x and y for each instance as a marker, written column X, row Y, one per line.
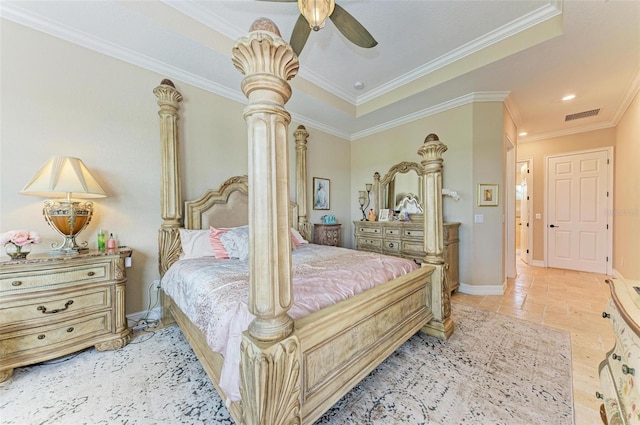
column 68, row 218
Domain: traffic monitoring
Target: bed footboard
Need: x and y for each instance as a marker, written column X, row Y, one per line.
column 342, row 344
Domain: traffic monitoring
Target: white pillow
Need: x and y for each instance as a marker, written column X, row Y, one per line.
column 297, row 236
column 236, row 242
column 195, row 244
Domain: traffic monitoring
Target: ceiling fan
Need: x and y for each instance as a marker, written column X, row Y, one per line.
column 313, row 14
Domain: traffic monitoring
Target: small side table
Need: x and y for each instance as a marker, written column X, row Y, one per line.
column 327, row 234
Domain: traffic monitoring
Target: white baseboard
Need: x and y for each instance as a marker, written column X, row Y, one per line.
column 537, row 263
column 617, row 274
column 153, row 314
column 481, row 289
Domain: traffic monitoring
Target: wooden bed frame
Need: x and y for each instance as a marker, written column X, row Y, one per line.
column 292, row 372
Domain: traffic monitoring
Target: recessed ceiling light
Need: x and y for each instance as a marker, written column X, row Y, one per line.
column 358, row 85
column 524, row 133
column 569, row 97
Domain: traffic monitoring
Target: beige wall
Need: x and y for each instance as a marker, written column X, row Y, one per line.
column 61, row 99
column 474, row 136
column 536, row 151
column 626, row 211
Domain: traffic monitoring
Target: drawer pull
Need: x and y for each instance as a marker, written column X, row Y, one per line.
column 408, row 233
column 91, row 274
column 70, row 329
column 390, row 244
column 606, row 315
column 616, row 357
column 42, row 336
column 599, row 395
column 628, row 370
column 16, row 283
column 43, row 309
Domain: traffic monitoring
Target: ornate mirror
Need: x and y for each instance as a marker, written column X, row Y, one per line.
column 401, row 188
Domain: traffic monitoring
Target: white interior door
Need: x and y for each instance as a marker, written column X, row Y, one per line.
column 524, row 212
column 577, row 226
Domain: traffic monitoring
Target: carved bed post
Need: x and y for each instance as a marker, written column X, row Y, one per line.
column 304, row 227
column 271, row 357
column 431, row 151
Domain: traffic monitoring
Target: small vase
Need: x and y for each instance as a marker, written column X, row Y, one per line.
column 17, row 252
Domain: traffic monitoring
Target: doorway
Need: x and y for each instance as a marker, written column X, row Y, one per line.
column 578, row 229
column 524, row 203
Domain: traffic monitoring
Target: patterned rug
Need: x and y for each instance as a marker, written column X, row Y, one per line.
column 493, row 370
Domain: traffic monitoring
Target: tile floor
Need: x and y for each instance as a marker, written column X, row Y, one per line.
column 569, row 300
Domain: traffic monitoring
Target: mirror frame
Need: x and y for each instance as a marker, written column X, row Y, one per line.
column 401, row 167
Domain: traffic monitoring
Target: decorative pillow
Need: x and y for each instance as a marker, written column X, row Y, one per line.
column 297, row 238
column 195, row 244
column 236, row 242
column 219, row 251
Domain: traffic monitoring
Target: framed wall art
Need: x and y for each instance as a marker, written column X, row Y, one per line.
column 321, row 192
column 487, row 195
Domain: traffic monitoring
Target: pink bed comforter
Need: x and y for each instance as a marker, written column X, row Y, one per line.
column 213, row 293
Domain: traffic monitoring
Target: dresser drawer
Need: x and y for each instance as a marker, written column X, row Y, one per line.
column 52, row 337
column 391, row 246
column 609, row 395
column 56, row 277
column 46, row 308
column 413, row 233
column 368, row 244
column 392, row 231
column 369, row 230
column 410, row 246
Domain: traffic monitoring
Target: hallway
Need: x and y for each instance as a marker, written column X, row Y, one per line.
column 564, row 299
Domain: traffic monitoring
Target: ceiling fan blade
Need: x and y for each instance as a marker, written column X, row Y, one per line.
column 300, row 34
column 351, row 28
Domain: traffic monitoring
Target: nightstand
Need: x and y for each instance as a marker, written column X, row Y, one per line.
column 55, row 305
column 327, row 234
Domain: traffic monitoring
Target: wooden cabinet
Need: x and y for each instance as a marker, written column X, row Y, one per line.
column 327, row 234
column 55, row 305
column 618, row 371
column 405, row 239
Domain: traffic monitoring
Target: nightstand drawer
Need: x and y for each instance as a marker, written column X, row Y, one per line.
column 54, row 307
column 53, row 337
column 54, row 278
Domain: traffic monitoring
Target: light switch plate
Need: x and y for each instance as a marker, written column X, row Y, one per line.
column 478, row 218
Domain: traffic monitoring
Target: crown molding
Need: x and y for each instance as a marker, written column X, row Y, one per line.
column 442, row 107
column 630, row 93
column 568, row 132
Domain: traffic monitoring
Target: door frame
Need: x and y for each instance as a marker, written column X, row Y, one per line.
column 509, row 212
column 529, row 255
column 609, row 207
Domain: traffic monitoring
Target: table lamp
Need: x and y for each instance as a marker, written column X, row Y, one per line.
column 67, row 177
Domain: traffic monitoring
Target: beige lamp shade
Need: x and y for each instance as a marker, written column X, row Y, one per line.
column 64, row 176
column 316, row 12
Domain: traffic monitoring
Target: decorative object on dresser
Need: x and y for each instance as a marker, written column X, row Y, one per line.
column 68, row 177
column 620, row 393
column 55, row 305
column 327, row 234
column 364, row 198
column 405, row 239
column 17, row 243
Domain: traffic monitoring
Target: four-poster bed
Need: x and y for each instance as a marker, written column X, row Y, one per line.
column 291, row 371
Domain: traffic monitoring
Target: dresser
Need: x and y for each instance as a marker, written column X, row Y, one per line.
column 327, row 234
column 51, row 306
column 406, row 239
column 621, row 367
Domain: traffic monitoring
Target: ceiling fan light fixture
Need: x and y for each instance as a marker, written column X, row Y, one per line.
column 316, row 12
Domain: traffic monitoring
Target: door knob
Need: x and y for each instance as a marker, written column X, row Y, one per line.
column 553, row 225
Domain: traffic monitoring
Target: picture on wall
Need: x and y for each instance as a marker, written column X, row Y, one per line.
column 487, row 195
column 321, row 191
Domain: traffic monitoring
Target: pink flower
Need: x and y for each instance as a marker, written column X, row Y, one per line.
column 19, row 237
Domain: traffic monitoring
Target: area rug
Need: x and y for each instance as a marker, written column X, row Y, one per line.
column 493, row 370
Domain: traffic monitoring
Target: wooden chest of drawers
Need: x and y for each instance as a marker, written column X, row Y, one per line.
column 55, row 305
column 406, row 239
column 618, row 371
